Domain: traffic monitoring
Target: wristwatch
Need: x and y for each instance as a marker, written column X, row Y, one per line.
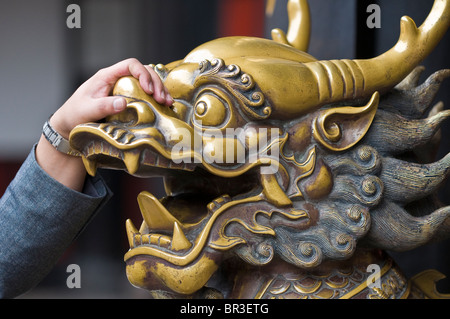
column 58, row 142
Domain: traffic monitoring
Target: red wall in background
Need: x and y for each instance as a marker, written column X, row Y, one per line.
column 7, row 172
column 241, row 17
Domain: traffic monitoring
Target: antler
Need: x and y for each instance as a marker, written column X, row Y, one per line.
column 414, row 45
column 343, row 79
column 305, row 84
column 299, row 26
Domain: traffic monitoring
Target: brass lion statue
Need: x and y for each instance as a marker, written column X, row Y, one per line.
column 286, row 176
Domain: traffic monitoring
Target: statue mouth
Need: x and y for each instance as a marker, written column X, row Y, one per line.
column 175, row 228
column 118, row 148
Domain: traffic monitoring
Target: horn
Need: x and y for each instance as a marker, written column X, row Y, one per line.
column 305, row 84
column 299, row 25
column 349, row 79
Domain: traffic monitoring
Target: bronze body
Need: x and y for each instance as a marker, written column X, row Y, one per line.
column 286, row 177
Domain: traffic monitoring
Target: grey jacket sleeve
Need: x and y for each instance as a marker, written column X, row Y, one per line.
column 39, row 219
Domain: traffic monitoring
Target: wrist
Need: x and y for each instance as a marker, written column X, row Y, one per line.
column 57, row 140
column 66, row 169
column 59, row 124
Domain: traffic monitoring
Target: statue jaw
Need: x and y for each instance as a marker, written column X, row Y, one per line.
column 148, row 272
column 174, row 238
column 183, row 262
column 203, row 219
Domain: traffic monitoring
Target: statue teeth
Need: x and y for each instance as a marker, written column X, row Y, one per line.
column 128, row 138
column 91, row 166
column 162, row 162
column 218, row 202
column 156, row 218
column 119, row 133
column 144, row 228
column 155, row 215
column 131, row 160
column 106, row 127
column 179, row 240
column 176, row 243
column 131, row 232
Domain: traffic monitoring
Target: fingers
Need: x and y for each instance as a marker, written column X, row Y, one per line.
column 92, row 102
column 140, row 72
column 109, row 105
column 149, row 80
column 75, row 112
column 123, row 68
column 160, row 92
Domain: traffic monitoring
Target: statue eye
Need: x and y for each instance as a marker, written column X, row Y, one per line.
column 210, row 110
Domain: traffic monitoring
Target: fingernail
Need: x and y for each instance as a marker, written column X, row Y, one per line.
column 119, row 104
column 150, row 87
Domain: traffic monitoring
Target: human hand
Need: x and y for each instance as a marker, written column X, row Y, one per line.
column 91, row 101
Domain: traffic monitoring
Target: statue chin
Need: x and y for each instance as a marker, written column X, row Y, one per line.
column 155, row 274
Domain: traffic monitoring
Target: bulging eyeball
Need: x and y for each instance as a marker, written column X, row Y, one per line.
column 210, row 110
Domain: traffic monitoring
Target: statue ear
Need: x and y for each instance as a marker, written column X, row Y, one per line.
column 339, row 128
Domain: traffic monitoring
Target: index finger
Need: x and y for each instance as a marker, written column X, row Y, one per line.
column 149, row 80
column 127, row 67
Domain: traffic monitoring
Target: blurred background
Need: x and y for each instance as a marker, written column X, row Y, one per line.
column 42, row 62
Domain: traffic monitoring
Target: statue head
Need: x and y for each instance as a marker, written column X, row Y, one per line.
column 269, row 152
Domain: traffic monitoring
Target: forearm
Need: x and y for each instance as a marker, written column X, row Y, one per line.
column 39, row 219
column 44, row 208
column 66, row 169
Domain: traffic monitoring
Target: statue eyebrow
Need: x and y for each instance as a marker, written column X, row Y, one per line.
column 241, row 85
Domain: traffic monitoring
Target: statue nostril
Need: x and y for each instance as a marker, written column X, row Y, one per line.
column 140, row 113
column 136, row 113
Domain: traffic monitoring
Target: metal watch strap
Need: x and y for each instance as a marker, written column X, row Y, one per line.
column 58, row 142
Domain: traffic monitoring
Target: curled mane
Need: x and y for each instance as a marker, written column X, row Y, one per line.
column 380, row 185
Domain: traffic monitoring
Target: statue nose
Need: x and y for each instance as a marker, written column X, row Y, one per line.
column 144, row 113
column 136, row 113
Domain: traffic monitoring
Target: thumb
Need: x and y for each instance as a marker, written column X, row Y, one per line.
column 108, row 106
column 68, row 116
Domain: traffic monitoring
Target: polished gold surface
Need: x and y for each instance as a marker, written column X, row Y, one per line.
column 283, row 173
column 299, row 24
column 426, row 282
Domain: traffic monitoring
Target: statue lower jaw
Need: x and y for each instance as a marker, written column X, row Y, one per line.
column 156, row 274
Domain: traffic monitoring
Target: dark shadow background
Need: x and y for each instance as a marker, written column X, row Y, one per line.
column 160, row 32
